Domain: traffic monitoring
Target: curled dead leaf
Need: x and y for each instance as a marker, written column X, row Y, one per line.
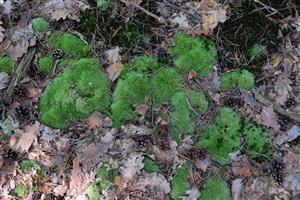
column 114, row 70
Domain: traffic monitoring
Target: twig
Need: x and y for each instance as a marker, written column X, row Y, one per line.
column 190, row 107
column 266, row 102
column 21, row 69
column 160, row 19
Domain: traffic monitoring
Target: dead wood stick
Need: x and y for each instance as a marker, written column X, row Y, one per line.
column 266, row 102
column 160, row 19
column 21, row 69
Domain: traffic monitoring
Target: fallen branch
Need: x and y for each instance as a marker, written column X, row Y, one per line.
column 266, row 102
column 20, row 71
column 132, row 3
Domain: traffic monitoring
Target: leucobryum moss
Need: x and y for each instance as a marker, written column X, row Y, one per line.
column 256, row 51
column 150, row 165
column 69, row 44
column 257, row 141
column 165, row 83
column 180, row 183
column 141, row 64
column 40, row 25
column 193, row 54
column 21, row 191
column 132, row 89
column 222, row 137
column 7, row 65
column 215, row 189
column 187, row 105
column 46, row 64
column 82, row 89
column 239, row 78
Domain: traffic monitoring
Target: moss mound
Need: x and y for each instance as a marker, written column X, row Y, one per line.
column 40, row 25
column 150, row 165
column 222, row 137
column 46, row 64
column 131, row 90
column 258, row 142
column 239, row 78
column 215, row 189
column 187, row 106
column 69, row 44
column 165, row 84
column 7, row 65
column 82, row 89
column 141, row 64
column 21, row 191
column 180, row 183
column 193, row 54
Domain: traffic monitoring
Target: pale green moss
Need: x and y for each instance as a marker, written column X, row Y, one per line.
column 150, row 165
column 165, row 83
column 193, row 54
column 82, row 89
column 180, row 183
column 131, row 90
column 93, row 192
column 239, row 78
column 256, row 51
column 46, row 64
column 141, row 64
column 106, row 177
column 69, row 44
column 21, row 191
column 7, row 65
column 258, row 142
column 40, row 25
column 222, row 137
column 187, row 105
column 65, row 63
column 215, row 189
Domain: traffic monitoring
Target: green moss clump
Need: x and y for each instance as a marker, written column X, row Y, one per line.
column 69, row 44
column 258, row 142
column 27, row 166
column 93, row 192
column 165, row 83
column 222, row 137
column 241, row 79
column 141, row 64
column 104, row 5
column 256, row 51
column 216, row 189
column 150, row 165
column 131, row 90
column 66, row 63
column 193, row 54
column 180, row 183
column 82, row 89
column 40, row 25
column 186, row 105
column 46, row 64
column 21, row 191
column 7, row 65
column 106, row 177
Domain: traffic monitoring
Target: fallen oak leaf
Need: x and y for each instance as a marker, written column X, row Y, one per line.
column 97, row 120
column 22, row 140
column 114, row 71
column 132, row 166
column 269, row 118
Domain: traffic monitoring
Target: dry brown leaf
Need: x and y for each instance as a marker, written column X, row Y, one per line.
column 113, row 55
column 155, row 182
column 24, row 138
column 141, row 109
column 269, row 118
column 191, row 75
column 192, row 194
column 282, row 88
column 132, row 166
column 212, row 14
column 97, row 120
column 4, row 79
column 114, row 70
column 62, row 9
column 202, row 164
column 241, row 167
column 291, row 178
column 22, row 38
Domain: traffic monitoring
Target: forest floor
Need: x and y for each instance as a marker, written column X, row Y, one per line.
column 92, row 159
